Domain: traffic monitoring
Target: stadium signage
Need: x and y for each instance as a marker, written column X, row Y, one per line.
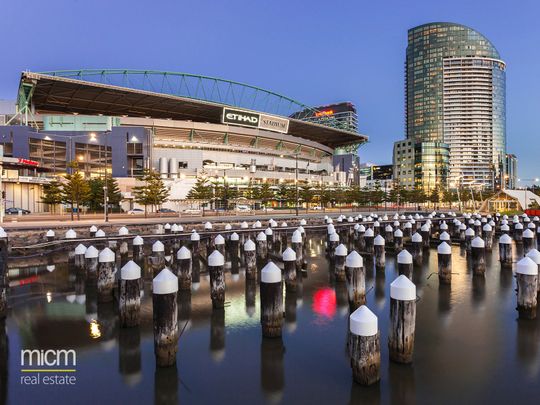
column 254, row 120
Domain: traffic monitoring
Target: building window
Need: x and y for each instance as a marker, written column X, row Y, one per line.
column 50, row 154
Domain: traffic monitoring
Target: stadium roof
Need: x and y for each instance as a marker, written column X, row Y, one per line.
column 53, row 93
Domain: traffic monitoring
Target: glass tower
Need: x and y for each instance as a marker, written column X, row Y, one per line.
column 455, row 94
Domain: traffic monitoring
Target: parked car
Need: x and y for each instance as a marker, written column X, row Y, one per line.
column 317, row 208
column 192, row 211
column 15, row 211
column 136, row 211
column 166, row 211
column 243, row 208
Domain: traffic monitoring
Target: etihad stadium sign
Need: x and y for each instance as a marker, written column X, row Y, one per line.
column 254, row 120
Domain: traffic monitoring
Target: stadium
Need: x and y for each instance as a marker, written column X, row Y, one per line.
column 184, row 126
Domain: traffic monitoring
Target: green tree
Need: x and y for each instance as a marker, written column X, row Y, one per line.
column 76, row 190
column 52, row 194
column 201, row 190
column 95, row 200
column 306, row 195
column 152, row 192
column 264, row 193
column 282, row 194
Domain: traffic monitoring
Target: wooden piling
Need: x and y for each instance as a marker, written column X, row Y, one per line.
column 528, row 241
column 534, row 255
column 527, row 288
column 402, row 320
column 183, row 268
column 339, row 262
column 444, row 256
column 364, row 346
column 297, row 246
column 216, row 262
column 250, row 260
column 289, row 268
column 271, row 295
column 380, row 255
column 505, row 250
column 416, row 249
column 129, row 301
column 157, row 260
column 105, row 276
column 405, row 263
column 478, row 256
column 165, row 319
column 356, row 280
column 79, row 259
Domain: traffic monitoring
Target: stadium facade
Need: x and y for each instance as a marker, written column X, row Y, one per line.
column 182, row 126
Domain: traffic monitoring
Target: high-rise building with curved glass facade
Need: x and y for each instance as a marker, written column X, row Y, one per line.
column 455, row 95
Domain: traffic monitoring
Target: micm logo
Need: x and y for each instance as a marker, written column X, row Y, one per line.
column 48, row 358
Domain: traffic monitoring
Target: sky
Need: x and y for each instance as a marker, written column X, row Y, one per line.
column 316, row 52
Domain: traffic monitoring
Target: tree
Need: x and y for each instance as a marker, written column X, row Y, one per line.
column 200, row 191
column 76, row 189
column 264, row 193
column 95, row 200
column 52, row 194
column 152, row 192
column 306, row 195
column 282, row 193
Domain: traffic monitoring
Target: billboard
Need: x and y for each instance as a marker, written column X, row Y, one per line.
column 254, row 120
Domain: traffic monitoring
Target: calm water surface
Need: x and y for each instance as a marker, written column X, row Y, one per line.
column 470, row 347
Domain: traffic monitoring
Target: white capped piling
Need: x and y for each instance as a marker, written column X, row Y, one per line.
column 296, row 243
column 93, row 230
column 138, row 248
column 356, row 280
column 538, row 237
column 462, row 229
column 478, row 256
column 70, row 234
column 364, row 346
column 369, row 237
column 534, row 255
column 477, row 228
column 528, row 241
column 333, row 242
column 376, row 228
column 123, row 250
column 389, row 234
column 207, row 226
column 250, row 260
column 183, row 268
column 289, row 268
column 165, row 319
column 505, row 250
column 262, row 246
column 157, row 259
column 269, row 238
column 91, row 262
column 380, row 255
column 244, row 225
column 402, row 320
column 407, row 229
column 518, row 232
column 80, row 250
column 469, row 235
column 195, row 241
column 398, row 240
column 123, row 231
column 167, row 228
column 129, row 300
column 425, row 231
column 405, row 263
column 487, row 235
column 360, row 236
column 175, row 228
column 271, row 295
column 527, row 288
column 505, row 229
column 100, row 233
column 416, row 249
column 50, row 235
column 216, row 261
column 219, row 244
column 234, row 243
column 339, row 262
column 444, row 256
column 105, row 280
column 444, row 237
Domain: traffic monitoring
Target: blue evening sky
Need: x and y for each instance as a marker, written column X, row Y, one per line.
column 317, row 52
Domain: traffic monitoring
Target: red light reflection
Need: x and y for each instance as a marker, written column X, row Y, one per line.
column 324, row 302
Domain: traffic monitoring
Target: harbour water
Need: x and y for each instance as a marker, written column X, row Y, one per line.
column 470, row 346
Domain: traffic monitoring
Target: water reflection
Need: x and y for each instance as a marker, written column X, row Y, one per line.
column 108, row 323
column 365, row 395
column 250, row 293
column 290, row 311
column 129, row 364
column 272, row 374
column 217, row 334
column 402, row 384
column 528, row 340
column 166, row 385
column 4, row 357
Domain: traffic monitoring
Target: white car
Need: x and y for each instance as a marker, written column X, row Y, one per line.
column 242, row 208
column 317, row 208
column 192, row 211
column 136, row 211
